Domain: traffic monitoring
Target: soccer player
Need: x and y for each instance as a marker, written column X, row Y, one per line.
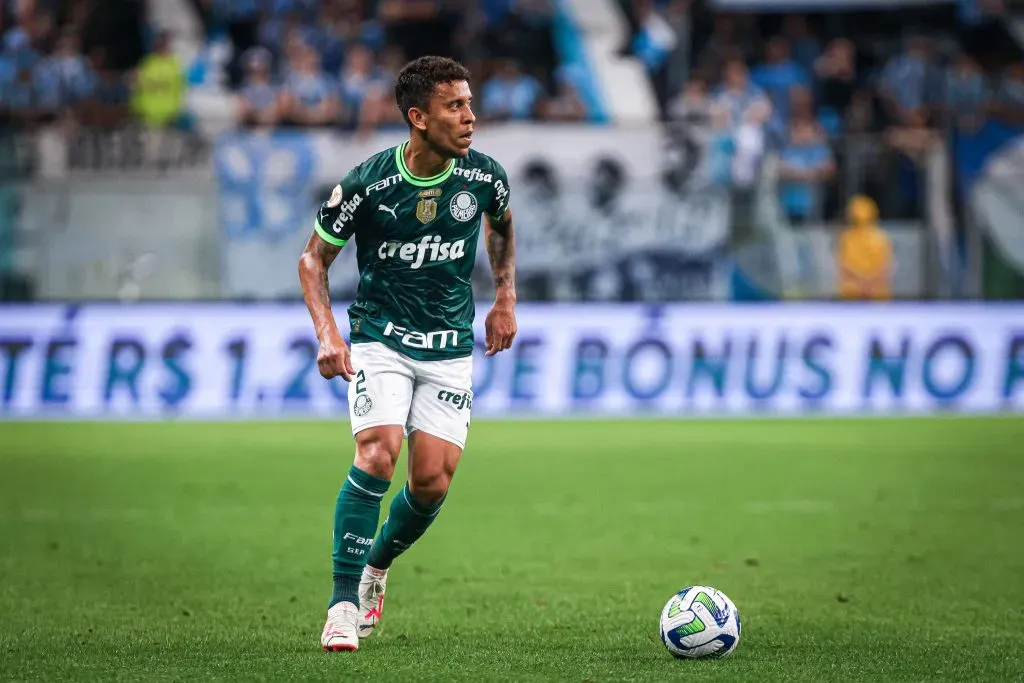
column 415, row 212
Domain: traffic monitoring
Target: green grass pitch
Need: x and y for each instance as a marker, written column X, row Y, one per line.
column 888, row 550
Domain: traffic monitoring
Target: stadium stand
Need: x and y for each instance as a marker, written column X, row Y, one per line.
column 861, row 88
column 333, row 63
column 789, row 114
column 75, row 61
column 284, row 63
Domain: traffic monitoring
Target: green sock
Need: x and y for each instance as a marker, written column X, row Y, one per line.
column 355, row 522
column 406, row 522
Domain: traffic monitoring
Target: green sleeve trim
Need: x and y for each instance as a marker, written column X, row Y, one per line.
column 326, row 236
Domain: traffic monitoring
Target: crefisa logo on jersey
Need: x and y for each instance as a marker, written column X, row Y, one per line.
column 501, row 195
column 429, row 249
column 347, row 211
column 463, row 206
column 473, row 174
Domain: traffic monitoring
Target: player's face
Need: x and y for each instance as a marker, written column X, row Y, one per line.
column 451, row 119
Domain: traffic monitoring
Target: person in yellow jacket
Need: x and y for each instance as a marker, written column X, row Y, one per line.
column 864, row 257
column 159, row 90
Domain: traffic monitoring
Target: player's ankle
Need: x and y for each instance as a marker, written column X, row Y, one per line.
column 346, row 589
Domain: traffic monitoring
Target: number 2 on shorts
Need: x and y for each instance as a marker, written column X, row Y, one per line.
column 360, row 382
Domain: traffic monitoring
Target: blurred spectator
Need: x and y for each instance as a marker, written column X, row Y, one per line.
column 806, row 164
column 565, row 105
column 116, row 26
column 839, row 83
column 721, row 147
column 779, row 74
column 106, row 95
column 20, row 99
column 332, row 29
column 356, row 82
column 979, row 31
column 906, row 83
column 307, row 9
column 67, row 67
column 653, row 43
column 378, row 108
column 241, row 21
column 905, row 173
column 750, row 146
column 864, row 256
column 729, row 39
column 159, row 86
column 693, row 104
column 284, row 34
column 306, row 97
column 800, row 106
column 738, row 95
column 967, row 95
column 421, row 27
column 804, row 45
column 256, row 104
column 1008, row 105
column 510, row 94
column 526, row 37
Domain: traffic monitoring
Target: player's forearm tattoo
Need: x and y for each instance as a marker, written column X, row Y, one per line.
column 314, row 263
column 325, row 289
column 501, row 250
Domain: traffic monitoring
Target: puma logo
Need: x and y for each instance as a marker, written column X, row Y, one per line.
column 381, row 207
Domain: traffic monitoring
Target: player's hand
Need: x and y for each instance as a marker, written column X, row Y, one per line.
column 333, row 358
column 500, row 327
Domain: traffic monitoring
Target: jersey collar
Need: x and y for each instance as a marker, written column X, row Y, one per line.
column 407, row 175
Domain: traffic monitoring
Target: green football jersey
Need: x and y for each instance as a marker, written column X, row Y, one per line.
column 416, row 241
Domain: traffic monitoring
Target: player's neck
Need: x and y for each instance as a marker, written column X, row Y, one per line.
column 423, row 161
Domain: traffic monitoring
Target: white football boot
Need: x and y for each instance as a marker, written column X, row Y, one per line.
column 371, row 599
column 341, row 630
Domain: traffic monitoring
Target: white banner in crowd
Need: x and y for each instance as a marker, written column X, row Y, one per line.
column 228, row 361
column 594, row 218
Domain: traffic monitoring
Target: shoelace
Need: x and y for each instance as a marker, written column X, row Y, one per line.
column 335, row 627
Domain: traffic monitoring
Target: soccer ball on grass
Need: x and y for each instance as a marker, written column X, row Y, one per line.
column 700, row 622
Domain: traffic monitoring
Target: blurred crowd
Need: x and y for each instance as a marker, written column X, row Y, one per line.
column 306, row 63
column 95, row 63
column 334, row 62
column 861, row 94
column 849, row 102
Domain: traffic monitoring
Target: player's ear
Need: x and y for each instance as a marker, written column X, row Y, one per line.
column 418, row 118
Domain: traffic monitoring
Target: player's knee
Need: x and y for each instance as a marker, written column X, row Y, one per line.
column 430, row 486
column 377, row 451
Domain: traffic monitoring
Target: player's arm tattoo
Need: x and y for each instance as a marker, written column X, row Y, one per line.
column 501, row 250
column 314, row 263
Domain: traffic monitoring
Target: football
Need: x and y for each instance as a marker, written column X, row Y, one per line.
column 700, row 622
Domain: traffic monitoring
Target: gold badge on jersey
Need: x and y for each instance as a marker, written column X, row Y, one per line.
column 426, row 209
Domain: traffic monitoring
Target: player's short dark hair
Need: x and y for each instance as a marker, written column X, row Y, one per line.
column 417, row 80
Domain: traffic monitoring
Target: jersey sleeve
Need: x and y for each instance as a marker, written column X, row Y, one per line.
column 338, row 217
column 500, row 201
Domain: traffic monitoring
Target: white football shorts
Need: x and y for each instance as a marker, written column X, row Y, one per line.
column 390, row 388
